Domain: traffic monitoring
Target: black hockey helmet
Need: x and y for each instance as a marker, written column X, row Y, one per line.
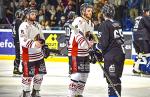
column 71, row 15
column 19, row 13
column 84, row 6
column 146, row 10
column 108, row 10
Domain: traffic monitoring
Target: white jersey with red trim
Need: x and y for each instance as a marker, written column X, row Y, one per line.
column 78, row 44
column 27, row 34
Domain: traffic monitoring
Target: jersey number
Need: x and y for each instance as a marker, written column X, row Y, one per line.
column 118, row 33
column 68, row 31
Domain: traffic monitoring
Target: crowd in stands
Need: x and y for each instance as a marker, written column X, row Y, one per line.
column 52, row 14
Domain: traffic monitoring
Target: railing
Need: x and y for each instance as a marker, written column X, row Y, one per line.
column 7, row 26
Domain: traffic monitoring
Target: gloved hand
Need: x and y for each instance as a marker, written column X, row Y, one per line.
column 98, row 52
column 46, row 51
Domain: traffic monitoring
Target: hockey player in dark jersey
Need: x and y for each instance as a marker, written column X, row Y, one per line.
column 67, row 27
column 71, row 17
column 141, row 42
column 19, row 18
column 112, row 45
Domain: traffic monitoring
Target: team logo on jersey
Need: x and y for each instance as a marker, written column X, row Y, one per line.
column 22, row 31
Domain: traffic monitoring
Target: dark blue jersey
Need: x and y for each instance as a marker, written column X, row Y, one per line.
column 111, row 37
column 141, row 30
column 68, row 30
column 16, row 25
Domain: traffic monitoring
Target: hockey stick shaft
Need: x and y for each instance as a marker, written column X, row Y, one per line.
column 108, row 78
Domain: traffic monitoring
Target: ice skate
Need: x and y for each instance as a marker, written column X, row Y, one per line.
column 78, row 96
column 35, row 93
column 25, row 94
column 136, row 72
column 16, row 72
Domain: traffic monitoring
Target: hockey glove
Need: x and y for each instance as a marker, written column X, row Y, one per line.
column 46, row 51
column 92, row 58
column 98, row 52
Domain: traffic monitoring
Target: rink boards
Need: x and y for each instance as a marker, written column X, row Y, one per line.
column 55, row 39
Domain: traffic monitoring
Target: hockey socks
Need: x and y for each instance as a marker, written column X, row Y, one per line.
column 37, row 81
column 26, row 82
column 73, row 88
column 80, row 87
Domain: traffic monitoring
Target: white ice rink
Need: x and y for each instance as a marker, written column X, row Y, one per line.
column 55, row 83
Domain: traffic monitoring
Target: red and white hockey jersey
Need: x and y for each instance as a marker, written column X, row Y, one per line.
column 78, row 44
column 27, row 34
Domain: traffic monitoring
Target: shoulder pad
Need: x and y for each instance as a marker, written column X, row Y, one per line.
column 77, row 21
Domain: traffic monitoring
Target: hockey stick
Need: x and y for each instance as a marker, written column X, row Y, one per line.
column 107, row 77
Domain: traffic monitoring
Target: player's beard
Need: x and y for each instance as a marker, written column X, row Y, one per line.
column 32, row 19
column 89, row 17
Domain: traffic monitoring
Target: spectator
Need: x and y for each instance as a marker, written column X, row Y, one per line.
column 127, row 24
column 134, row 6
column 61, row 4
column 9, row 14
column 45, row 24
column 96, row 9
column 52, row 11
column 59, row 13
column 33, row 4
column 46, row 13
column 53, row 25
column 62, row 22
column 65, row 2
column 45, row 4
column 40, row 16
column 39, row 2
column 25, row 4
column 69, row 7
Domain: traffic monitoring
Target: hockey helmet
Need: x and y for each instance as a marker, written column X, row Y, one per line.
column 84, row 6
column 71, row 15
column 108, row 10
column 30, row 10
column 19, row 13
column 145, row 10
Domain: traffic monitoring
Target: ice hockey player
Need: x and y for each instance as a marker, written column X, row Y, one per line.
column 67, row 25
column 112, row 45
column 19, row 15
column 141, row 42
column 31, row 42
column 78, row 47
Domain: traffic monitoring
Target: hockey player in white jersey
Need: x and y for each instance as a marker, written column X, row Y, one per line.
column 31, row 42
column 79, row 43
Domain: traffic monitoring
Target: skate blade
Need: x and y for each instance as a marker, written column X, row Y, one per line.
column 145, row 75
column 17, row 75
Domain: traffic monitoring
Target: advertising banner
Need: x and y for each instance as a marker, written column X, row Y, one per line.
column 55, row 39
column 6, row 43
